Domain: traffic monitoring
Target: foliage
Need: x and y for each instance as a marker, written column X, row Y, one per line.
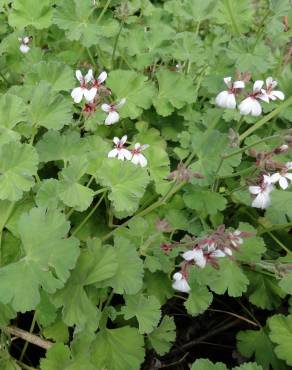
column 128, row 209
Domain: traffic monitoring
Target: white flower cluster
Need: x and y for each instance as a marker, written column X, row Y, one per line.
column 208, row 251
column 88, row 89
column 24, row 42
column 135, row 155
column 262, row 191
column 251, row 104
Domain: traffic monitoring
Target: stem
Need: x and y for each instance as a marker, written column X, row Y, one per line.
column 265, row 119
column 26, row 342
column 29, row 337
column 102, row 12
column 279, row 243
column 235, row 315
column 24, row 366
column 116, row 43
column 79, row 227
column 232, row 17
column 276, row 227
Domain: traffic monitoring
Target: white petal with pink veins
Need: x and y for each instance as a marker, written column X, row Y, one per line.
column 283, row 183
column 227, row 81
column 106, row 107
column 254, row 189
column 238, row 84
column 79, row 76
column 277, row 94
column 113, row 153
column 24, row 48
column 89, row 76
column 102, row 77
column 257, row 86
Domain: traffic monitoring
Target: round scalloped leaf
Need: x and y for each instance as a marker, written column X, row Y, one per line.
column 281, row 334
column 28, row 13
column 18, row 165
column 48, row 257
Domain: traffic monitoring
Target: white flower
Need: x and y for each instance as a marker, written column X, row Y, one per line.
column 180, row 283
column 270, row 92
column 197, row 256
column 137, row 156
column 250, row 105
column 262, row 199
column 113, row 116
column 78, row 93
column 235, row 239
column 119, row 151
column 213, row 252
column 282, row 177
column 24, row 48
column 226, row 98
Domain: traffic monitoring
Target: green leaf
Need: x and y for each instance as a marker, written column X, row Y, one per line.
column 70, row 191
column 57, row 358
column 95, row 265
column 53, row 146
column 158, row 160
column 248, row 366
column 118, row 349
column 162, row 337
column 46, row 312
column 257, row 343
column 145, row 309
column 81, row 23
column 58, row 75
column 127, row 280
column 49, row 256
column 198, row 300
column 204, row 201
column 281, row 335
column 264, row 291
column 57, row 332
column 286, row 283
column 175, row 91
column 136, row 88
column 47, row 195
column 6, row 314
column 204, row 364
column 12, row 112
column 18, row 165
column 24, row 13
column 228, row 278
column 127, row 184
column 209, row 146
column 49, row 109
column 282, row 200
column 253, row 247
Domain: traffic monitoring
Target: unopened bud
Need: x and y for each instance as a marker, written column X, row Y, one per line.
column 281, row 149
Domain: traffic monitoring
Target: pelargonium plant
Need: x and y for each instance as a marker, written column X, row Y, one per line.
column 145, row 185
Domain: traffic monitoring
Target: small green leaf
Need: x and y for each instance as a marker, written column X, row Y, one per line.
column 12, row 111
column 257, row 343
column 204, row 201
column 49, row 109
column 49, row 256
column 162, row 337
column 118, row 349
column 24, row 13
column 127, row 280
column 145, row 309
column 198, row 300
column 18, row 164
column 204, row 364
column 281, row 335
column 175, row 91
column 136, row 88
column 6, row 314
column 127, row 184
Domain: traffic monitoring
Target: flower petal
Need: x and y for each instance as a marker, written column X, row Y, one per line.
column 90, row 94
column 275, row 177
column 257, row 86
column 256, row 108
column 227, row 81
column 123, row 139
column 77, row 94
column 113, row 153
column 278, row 94
column 112, row 118
column 283, row 183
column 116, row 140
column 24, row 48
column 245, row 106
column 89, row 76
column 106, row 107
column 142, row 160
column 120, row 103
column 254, row 189
column 239, row 84
column 181, row 285
column 102, row 77
column 79, row 76
column 127, row 154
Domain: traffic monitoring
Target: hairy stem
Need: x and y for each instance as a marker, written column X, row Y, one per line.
column 28, row 337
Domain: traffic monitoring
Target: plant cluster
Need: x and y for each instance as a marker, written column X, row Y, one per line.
column 133, row 192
